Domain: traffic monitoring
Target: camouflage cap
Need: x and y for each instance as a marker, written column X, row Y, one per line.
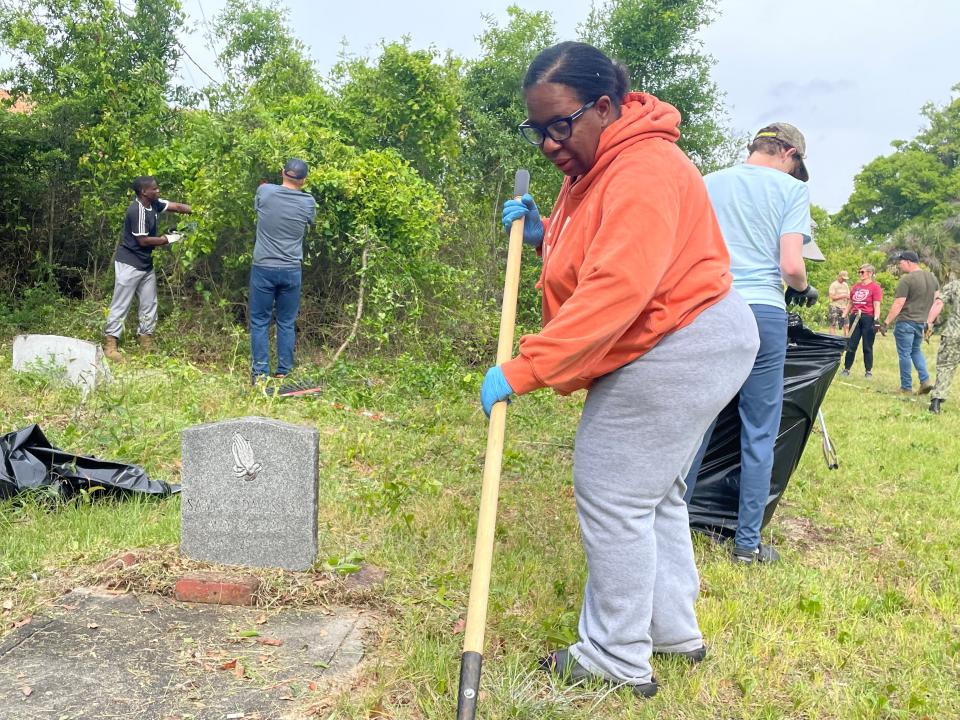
column 789, row 135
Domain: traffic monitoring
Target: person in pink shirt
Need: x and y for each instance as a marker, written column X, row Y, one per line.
column 865, row 298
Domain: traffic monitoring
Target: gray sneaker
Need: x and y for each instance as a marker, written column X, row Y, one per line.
column 868, row 374
column 749, row 556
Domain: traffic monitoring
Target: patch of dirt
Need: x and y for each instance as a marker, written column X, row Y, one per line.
column 802, row 533
column 177, row 660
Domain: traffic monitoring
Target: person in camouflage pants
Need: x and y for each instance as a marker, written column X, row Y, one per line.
column 948, row 356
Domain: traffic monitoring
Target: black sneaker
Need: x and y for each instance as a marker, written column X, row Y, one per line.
column 749, row 556
column 691, row 656
column 563, row 666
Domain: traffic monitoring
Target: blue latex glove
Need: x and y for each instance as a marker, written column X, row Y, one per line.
column 494, row 389
column 525, row 208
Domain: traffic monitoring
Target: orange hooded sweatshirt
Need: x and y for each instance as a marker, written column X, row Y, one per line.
column 631, row 252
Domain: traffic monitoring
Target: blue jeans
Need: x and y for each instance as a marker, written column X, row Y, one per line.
column 273, row 288
column 761, row 405
column 909, row 335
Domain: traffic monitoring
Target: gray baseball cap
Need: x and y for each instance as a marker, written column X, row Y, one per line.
column 295, row 169
column 789, row 135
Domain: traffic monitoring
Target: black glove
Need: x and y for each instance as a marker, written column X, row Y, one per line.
column 807, row 297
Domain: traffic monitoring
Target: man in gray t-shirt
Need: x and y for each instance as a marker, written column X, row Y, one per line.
column 283, row 214
column 914, row 296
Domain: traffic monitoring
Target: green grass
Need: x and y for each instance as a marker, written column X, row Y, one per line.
column 861, row 620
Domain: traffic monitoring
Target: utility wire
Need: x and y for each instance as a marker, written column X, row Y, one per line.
column 199, row 67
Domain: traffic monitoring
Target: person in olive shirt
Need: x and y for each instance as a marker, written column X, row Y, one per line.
column 915, row 295
column 133, row 265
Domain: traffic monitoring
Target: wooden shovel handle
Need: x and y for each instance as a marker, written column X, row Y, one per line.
column 487, row 519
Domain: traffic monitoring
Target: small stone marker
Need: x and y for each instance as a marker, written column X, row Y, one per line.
column 250, row 493
column 81, row 362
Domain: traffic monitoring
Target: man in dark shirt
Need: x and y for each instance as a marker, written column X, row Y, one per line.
column 133, row 265
column 283, row 214
column 915, row 295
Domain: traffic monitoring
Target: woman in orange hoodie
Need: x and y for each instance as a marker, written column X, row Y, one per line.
column 638, row 309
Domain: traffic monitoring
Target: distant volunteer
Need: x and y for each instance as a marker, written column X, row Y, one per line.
column 916, row 292
column 284, row 212
column 133, row 265
column 866, row 296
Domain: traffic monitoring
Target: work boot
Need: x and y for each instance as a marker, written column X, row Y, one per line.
column 925, row 388
column 935, row 405
column 146, row 343
column 111, row 348
column 905, row 391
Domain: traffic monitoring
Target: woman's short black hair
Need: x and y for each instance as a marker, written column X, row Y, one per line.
column 582, row 67
column 141, row 183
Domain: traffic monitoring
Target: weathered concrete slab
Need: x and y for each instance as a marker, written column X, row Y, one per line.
column 81, row 362
column 99, row 656
column 250, row 493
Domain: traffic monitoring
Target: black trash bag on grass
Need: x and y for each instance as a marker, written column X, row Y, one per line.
column 28, row 461
column 812, row 361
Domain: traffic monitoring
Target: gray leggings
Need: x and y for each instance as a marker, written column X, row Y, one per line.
column 640, row 429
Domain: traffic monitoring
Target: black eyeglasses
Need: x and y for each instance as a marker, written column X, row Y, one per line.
column 863, row 272
column 558, row 130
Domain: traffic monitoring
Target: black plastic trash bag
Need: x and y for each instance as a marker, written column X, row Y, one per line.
column 28, row 461
column 812, row 360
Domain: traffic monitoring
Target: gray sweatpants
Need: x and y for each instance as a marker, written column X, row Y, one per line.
column 640, row 429
column 129, row 281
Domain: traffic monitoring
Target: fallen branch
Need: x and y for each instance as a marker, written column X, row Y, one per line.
column 359, row 313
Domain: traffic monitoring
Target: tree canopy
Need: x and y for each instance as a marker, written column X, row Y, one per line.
column 412, row 150
column 920, row 180
column 657, row 41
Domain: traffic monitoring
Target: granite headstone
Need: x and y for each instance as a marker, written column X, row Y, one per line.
column 78, row 361
column 250, row 493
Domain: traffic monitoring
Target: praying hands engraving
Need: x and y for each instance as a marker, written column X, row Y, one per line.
column 245, row 466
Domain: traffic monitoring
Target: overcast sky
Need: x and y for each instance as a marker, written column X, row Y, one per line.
column 851, row 74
